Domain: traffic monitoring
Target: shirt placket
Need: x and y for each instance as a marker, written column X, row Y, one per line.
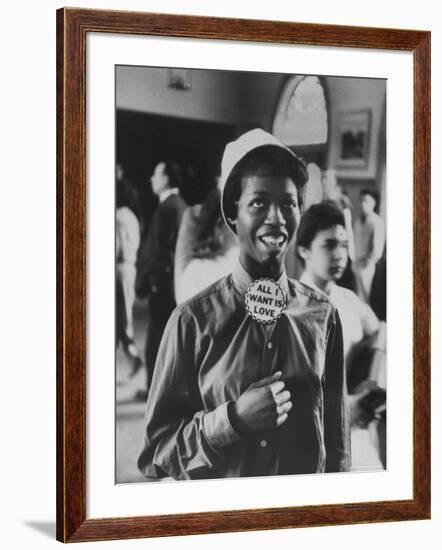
column 269, row 349
column 265, row 442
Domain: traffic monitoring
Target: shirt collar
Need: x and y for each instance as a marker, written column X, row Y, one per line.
column 242, row 279
column 166, row 194
column 307, row 280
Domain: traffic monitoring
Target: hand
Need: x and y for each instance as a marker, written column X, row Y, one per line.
column 264, row 405
column 366, row 404
column 359, row 416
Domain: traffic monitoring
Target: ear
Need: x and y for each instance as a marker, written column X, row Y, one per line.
column 233, row 219
column 303, row 252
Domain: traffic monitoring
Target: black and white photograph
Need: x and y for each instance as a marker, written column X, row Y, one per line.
column 250, row 274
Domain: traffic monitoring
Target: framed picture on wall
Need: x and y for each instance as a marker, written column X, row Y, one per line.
column 93, row 49
column 354, row 129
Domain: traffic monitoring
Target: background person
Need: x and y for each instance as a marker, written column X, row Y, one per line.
column 127, row 241
column 369, row 236
column 335, row 193
column 322, row 244
column 156, row 257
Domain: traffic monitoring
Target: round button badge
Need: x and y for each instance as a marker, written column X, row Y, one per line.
column 265, row 301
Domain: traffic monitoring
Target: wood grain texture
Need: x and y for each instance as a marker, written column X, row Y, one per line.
column 71, row 278
column 422, row 274
column 72, row 27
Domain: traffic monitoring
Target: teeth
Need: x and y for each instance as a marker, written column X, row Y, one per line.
column 273, row 241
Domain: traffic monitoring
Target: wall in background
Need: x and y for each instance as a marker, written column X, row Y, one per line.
column 213, row 96
column 356, row 94
column 260, row 94
column 243, row 98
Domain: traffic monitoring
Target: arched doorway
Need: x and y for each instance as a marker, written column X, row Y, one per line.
column 301, row 119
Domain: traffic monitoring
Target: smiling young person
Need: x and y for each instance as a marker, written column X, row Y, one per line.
column 250, row 375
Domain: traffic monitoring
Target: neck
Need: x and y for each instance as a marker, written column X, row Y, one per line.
column 269, row 270
column 323, row 285
column 365, row 215
column 165, row 193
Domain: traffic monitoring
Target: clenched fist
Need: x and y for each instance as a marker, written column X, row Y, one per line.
column 264, row 405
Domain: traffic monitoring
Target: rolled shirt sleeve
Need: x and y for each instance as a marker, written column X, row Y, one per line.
column 378, row 239
column 370, row 323
column 218, row 428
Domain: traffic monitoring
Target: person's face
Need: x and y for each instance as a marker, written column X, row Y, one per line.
column 367, row 204
column 266, row 221
column 159, row 179
column 327, row 256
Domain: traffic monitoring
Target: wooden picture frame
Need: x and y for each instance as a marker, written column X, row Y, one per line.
column 73, row 25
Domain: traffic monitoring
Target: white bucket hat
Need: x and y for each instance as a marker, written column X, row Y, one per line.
column 238, row 149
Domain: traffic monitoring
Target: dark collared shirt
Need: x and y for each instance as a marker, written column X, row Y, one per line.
column 211, row 352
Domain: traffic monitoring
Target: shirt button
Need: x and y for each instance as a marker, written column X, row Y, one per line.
column 263, row 443
column 270, row 345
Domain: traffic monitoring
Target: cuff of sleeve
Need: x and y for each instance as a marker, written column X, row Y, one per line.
column 380, row 340
column 218, row 429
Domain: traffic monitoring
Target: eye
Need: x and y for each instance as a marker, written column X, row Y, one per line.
column 257, row 203
column 289, row 204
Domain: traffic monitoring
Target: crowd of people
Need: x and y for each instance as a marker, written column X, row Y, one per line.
column 236, row 389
